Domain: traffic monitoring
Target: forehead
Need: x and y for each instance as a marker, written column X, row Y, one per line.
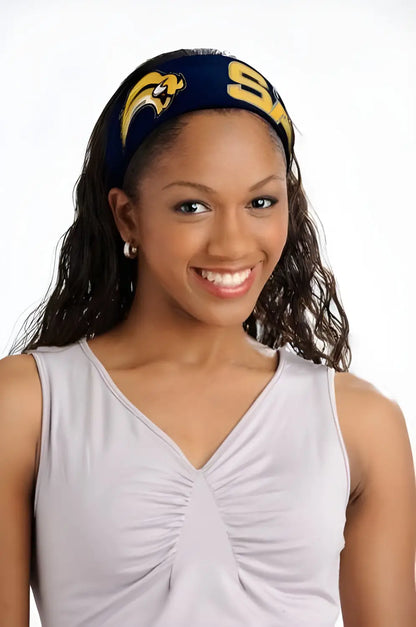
column 221, row 149
column 213, row 119
column 228, row 133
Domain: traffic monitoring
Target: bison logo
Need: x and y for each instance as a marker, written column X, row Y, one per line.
column 154, row 89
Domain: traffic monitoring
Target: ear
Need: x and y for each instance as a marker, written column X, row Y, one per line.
column 125, row 214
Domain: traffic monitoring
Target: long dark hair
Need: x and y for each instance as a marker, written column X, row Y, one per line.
column 95, row 284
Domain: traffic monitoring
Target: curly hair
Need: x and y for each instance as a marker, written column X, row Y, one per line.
column 95, row 283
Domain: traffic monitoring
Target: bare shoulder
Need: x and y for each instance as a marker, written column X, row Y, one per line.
column 21, row 402
column 363, row 405
column 19, row 374
column 351, row 382
column 364, row 414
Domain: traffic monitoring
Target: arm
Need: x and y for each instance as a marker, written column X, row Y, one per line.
column 20, row 404
column 377, row 569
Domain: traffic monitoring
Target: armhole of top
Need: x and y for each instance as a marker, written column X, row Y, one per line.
column 44, row 422
column 331, row 388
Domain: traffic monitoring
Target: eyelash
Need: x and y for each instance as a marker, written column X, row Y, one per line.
column 177, row 209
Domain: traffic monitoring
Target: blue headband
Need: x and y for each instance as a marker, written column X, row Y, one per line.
column 190, row 83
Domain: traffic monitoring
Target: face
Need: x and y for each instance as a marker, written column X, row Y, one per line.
column 231, row 213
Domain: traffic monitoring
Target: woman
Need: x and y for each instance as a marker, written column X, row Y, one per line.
column 181, row 431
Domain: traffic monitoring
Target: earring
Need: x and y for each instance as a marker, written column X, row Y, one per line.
column 129, row 250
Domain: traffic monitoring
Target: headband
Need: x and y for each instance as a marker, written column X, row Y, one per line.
column 190, row 83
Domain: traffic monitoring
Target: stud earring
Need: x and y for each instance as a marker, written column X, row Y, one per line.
column 129, row 250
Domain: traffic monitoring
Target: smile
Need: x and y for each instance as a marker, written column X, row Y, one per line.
column 229, row 279
column 226, row 284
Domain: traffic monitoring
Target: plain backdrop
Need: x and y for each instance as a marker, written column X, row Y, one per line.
column 345, row 71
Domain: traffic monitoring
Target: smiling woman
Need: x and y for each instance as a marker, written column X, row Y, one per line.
column 96, row 284
column 180, row 437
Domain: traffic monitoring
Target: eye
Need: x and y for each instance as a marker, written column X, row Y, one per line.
column 190, row 207
column 263, row 201
column 191, row 204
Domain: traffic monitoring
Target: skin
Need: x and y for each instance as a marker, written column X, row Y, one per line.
column 172, row 318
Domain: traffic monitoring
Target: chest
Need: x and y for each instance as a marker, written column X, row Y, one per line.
column 196, row 411
column 199, row 411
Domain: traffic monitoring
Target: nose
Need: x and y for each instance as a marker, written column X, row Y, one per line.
column 230, row 236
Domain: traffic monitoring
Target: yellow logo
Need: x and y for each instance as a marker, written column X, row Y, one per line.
column 243, row 75
column 154, row 89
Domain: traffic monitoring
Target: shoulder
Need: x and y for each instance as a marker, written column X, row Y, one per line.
column 368, row 406
column 370, row 421
column 20, row 404
column 18, row 373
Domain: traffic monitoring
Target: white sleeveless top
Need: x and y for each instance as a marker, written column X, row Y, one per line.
column 127, row 533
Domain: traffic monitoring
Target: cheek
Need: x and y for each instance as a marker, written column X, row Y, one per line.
column 276, row 231
column 167, row 249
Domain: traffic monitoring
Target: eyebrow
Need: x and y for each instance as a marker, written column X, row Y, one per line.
column 205, row 188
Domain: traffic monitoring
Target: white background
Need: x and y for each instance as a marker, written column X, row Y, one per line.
column 345, row 71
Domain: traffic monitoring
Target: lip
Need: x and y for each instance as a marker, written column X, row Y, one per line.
column 222, row 291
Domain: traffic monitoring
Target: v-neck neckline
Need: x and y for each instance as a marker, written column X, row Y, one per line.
column 89, row 353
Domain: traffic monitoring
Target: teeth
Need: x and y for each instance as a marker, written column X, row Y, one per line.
column 228, row 280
